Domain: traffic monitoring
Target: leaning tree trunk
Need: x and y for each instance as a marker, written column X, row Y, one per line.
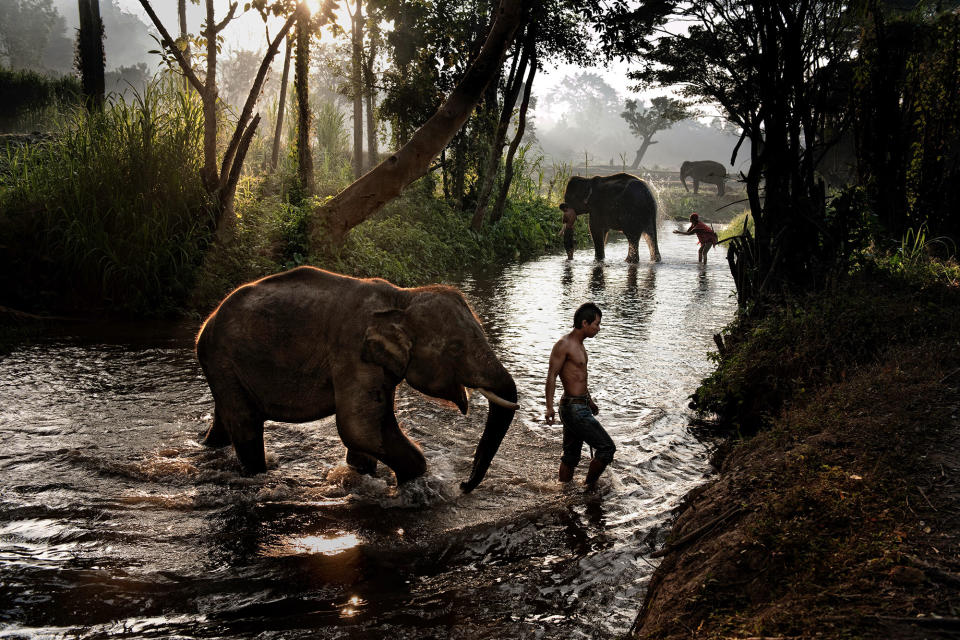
column 302, row 87
column 642, row 151
column 369, row 194
column 90, row 53
column 281, row 107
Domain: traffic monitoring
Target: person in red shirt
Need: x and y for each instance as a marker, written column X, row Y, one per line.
column 705, row 234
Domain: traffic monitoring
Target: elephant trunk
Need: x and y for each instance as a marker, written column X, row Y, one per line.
column 498, row 421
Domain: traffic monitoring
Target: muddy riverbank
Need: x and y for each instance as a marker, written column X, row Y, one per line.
column 840, row 519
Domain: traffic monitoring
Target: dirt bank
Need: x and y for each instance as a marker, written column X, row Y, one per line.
column 838, row 520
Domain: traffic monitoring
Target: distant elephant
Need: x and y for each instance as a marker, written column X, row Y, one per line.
column 622, row 202
column 305, row 344
column 703, row 171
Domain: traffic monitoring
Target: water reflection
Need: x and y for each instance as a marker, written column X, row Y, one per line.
column 598, row 279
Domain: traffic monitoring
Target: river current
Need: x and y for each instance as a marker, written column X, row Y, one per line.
column 116, row 523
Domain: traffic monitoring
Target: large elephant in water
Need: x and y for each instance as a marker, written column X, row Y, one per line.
column 703, row 171
column 307, row 343
column 622, row 202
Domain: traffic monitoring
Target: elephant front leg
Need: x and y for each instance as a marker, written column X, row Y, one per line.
column 633, row 254
column 361, row 462
column 368, row 427
column 599, row 240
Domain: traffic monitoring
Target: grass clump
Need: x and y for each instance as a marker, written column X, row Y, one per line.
column 109, row 213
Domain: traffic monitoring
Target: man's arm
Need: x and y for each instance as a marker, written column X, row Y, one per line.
column 688, row 232
column 557, row 358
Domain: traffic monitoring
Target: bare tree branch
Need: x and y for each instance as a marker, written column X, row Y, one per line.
column 174, row 49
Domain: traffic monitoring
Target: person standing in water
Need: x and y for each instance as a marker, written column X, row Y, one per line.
column 705, row 234
column 568, row 359
column 569, row 219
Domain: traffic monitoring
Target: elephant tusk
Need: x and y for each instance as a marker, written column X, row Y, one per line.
column 495, row 399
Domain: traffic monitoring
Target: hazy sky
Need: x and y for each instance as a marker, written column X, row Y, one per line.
column 248, row 32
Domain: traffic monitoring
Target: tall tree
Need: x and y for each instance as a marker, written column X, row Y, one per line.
column 767, row 64
column 501, row 200
column 370, row 93
column 356, row 42
column 644, row 123
column 525, row 49
column 26, row 28
column 301, row 85
column 90, row 56
column 281, row 104
column 221, row 182
column 906, row 105
column 184, row 37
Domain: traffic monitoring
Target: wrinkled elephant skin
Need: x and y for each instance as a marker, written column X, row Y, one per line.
column 622, row 202
column 307, row 343
column 704, row 171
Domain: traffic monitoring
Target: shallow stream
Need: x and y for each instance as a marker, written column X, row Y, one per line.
column 116, row 523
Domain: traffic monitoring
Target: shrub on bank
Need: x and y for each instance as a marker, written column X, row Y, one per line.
column 416, row 239
column 817, row 340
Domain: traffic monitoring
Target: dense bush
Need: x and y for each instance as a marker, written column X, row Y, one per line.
column 110, row 212
column 416, row 239
column 26, row 93
column 819, row 339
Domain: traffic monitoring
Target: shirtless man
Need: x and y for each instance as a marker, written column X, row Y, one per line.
column 577, row 409
column 569, row 219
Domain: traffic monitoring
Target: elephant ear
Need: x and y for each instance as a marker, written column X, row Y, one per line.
column 387, row 344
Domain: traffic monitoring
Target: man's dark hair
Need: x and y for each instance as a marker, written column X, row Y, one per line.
column 587, row 311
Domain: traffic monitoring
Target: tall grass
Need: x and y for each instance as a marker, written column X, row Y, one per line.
column 111, row 212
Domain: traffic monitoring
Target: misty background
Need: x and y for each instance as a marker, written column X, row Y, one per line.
column 575, row 118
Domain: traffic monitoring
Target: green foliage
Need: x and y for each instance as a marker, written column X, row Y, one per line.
column 913, row 259
column 111, row 212
column 30, row 98
column 332, row 136
column 418, row 239
column 907, row 117
column 819, row 339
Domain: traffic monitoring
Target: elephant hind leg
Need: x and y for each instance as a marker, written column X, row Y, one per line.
column 652, row 246
column 216, row 435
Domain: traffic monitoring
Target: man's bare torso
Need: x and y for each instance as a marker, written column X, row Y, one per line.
column 573, row 373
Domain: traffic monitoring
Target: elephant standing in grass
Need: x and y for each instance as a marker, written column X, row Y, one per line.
column 620, row 201
column 307, row 343
column 703, row 171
